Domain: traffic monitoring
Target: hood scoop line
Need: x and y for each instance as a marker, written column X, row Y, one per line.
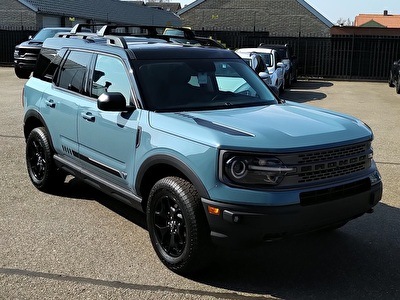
column 221, row 128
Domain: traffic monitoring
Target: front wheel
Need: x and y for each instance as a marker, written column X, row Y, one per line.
column 177, row 225
column 22, row 73
column 39, row 160
column 397, row 83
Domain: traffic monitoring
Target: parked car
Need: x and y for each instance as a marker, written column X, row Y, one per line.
column 288, row 59
column 275, row 67
column 394, row 76
column 26, row 53
column 192, row 137
column 256, row 62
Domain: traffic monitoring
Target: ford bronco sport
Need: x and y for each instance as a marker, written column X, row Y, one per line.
column 194, row 138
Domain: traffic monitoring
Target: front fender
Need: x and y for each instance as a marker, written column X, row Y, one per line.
column 174, row 162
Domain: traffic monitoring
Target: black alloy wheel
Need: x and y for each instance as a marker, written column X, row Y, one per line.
column 39, row 160
column 177, row 226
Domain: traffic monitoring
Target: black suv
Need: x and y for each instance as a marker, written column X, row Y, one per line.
column 288, row 59
column 394, row 76
column 26, row 53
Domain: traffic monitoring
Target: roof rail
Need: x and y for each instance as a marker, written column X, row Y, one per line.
column 116, row 41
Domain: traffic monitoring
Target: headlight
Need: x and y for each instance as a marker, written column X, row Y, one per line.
column 251, row 170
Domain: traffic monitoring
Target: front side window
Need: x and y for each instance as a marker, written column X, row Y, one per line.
column 73, row 74
column 110, row 76
column 204, row 84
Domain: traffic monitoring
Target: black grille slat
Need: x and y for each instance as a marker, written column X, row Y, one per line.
column 327, row 164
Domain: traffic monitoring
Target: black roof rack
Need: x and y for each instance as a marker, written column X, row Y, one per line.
column 116, row 34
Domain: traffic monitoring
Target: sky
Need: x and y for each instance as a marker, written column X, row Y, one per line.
column 334, row 10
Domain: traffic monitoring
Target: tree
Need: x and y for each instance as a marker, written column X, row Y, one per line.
column 343, row 22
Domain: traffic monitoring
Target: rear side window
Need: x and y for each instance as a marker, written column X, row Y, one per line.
column 73, row 74
column 47, row 64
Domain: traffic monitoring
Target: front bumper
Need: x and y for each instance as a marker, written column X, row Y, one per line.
column 240, row 224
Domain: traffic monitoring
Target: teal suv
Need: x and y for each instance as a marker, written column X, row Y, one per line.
column 192, row 137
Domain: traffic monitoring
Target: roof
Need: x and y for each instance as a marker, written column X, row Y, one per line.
column 385, row 20
column 315, row 13
column 301, row 2
column 168, row 6
column 105, row 10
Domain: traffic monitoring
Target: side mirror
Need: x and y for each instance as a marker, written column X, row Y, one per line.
column 263, row 75
column 112, row 101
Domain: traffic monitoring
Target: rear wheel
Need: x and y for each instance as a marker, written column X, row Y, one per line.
column 39, row 160
column 177, row 226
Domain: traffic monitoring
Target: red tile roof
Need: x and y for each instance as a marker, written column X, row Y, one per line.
column 386, row 20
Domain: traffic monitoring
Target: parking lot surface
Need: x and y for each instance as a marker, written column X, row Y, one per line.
column 81, row 244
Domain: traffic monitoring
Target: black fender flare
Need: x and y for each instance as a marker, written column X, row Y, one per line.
column 175, row 163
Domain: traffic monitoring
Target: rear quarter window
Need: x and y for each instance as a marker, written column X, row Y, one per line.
column 47, row 64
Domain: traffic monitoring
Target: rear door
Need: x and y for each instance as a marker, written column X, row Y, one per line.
column 61, row 102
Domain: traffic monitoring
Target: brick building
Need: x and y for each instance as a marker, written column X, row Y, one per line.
column 277, row 17
column 33, row 14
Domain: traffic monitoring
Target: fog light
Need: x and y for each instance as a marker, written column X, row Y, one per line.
column 213, row 210
column 375, row 178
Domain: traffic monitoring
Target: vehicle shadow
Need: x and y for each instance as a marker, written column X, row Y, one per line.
column 305, row 90
column 77, row 189
column 360, row 260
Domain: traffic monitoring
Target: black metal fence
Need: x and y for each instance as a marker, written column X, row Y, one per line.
column 8, row 40
column 342, row 57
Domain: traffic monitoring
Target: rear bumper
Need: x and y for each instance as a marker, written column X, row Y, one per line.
column 240, row 224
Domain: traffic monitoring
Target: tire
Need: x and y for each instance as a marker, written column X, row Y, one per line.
column 177, row 225
column 288, row 81
column 397, row 83
column 391, row 84
column 40, row 164
column 22, row 73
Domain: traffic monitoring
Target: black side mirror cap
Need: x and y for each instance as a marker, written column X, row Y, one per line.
column 112, row 101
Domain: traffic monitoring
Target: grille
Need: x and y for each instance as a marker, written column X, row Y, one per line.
column 330, row 154
column 330, row 163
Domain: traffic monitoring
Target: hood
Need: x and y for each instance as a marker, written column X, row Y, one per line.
column 30, row 44
column 279, row 127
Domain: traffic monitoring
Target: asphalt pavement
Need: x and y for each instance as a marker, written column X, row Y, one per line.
column 81, row 244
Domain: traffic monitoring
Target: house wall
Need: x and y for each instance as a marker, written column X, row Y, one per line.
column 278, row 17
column 15, row 15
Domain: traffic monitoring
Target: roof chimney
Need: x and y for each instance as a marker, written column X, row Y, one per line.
column 385, row 12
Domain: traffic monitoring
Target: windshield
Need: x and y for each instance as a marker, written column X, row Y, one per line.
column 48, row 33
column 183, row 85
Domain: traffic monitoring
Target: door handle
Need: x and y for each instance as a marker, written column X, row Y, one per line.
column 50, row 103
column 88, row 116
